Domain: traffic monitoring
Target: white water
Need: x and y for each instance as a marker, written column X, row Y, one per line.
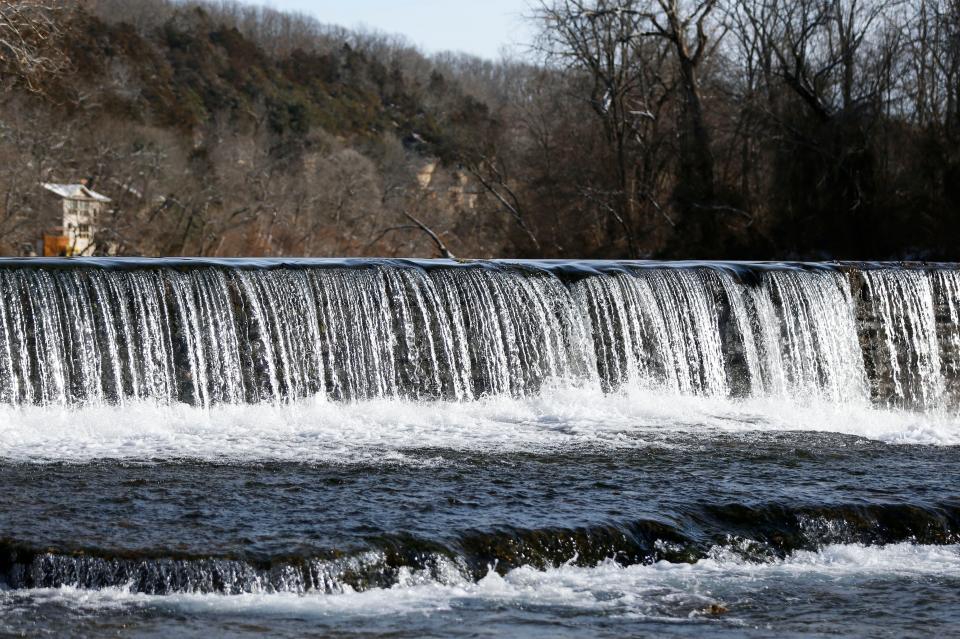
column 389, row 430
column 344, row 365
column 213, row 335
column 665, row 591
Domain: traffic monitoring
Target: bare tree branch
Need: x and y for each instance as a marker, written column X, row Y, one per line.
column 444, row 251
column 29, row 30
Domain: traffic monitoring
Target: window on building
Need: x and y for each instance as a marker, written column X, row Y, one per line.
column 83, row 230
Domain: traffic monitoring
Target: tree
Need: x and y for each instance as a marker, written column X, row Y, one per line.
column 29, row 35
column 827, row 69
column 607, row 41
column 695, row 191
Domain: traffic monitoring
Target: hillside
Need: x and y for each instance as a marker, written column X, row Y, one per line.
column 208, row 144
column 633, row 128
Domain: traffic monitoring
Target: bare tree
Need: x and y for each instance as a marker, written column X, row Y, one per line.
column 930, row 77
column 686, row 29
column 491, row 175
column 29, row 30
column 607, row 40
column 835, row 55
column 343, row 208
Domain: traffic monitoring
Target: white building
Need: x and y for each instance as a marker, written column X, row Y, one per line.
column 82, row 210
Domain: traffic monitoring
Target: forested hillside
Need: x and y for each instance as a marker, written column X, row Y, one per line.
column 630, row 128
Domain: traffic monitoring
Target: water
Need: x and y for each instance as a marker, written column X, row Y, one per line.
column 396, row 448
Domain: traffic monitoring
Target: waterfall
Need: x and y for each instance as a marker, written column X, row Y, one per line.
column 209, row 333
column 906, row 347
column 656, row 328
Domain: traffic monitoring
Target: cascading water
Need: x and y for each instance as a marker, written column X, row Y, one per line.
column 906, row 349
column 223, row 333
column 617, row 448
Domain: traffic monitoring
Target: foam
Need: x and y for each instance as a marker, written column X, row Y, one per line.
column 397, row 431
column 662, row 590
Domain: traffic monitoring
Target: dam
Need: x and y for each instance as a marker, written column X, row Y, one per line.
column 231, row 332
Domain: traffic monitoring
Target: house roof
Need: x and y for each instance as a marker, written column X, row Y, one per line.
column 75, row 192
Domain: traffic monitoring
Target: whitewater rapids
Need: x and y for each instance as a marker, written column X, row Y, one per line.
column 713, row 594
column 322, row 431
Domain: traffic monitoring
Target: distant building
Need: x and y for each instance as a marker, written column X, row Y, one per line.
column 82, row 210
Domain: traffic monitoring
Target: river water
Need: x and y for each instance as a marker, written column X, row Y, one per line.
column 400, row 449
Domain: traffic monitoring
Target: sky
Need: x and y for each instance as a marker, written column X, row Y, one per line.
column 480, row 27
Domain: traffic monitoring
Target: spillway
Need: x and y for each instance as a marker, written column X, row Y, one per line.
column 405, row 447
column 206, row 333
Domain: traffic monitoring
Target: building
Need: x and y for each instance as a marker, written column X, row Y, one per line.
column 82, row 210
